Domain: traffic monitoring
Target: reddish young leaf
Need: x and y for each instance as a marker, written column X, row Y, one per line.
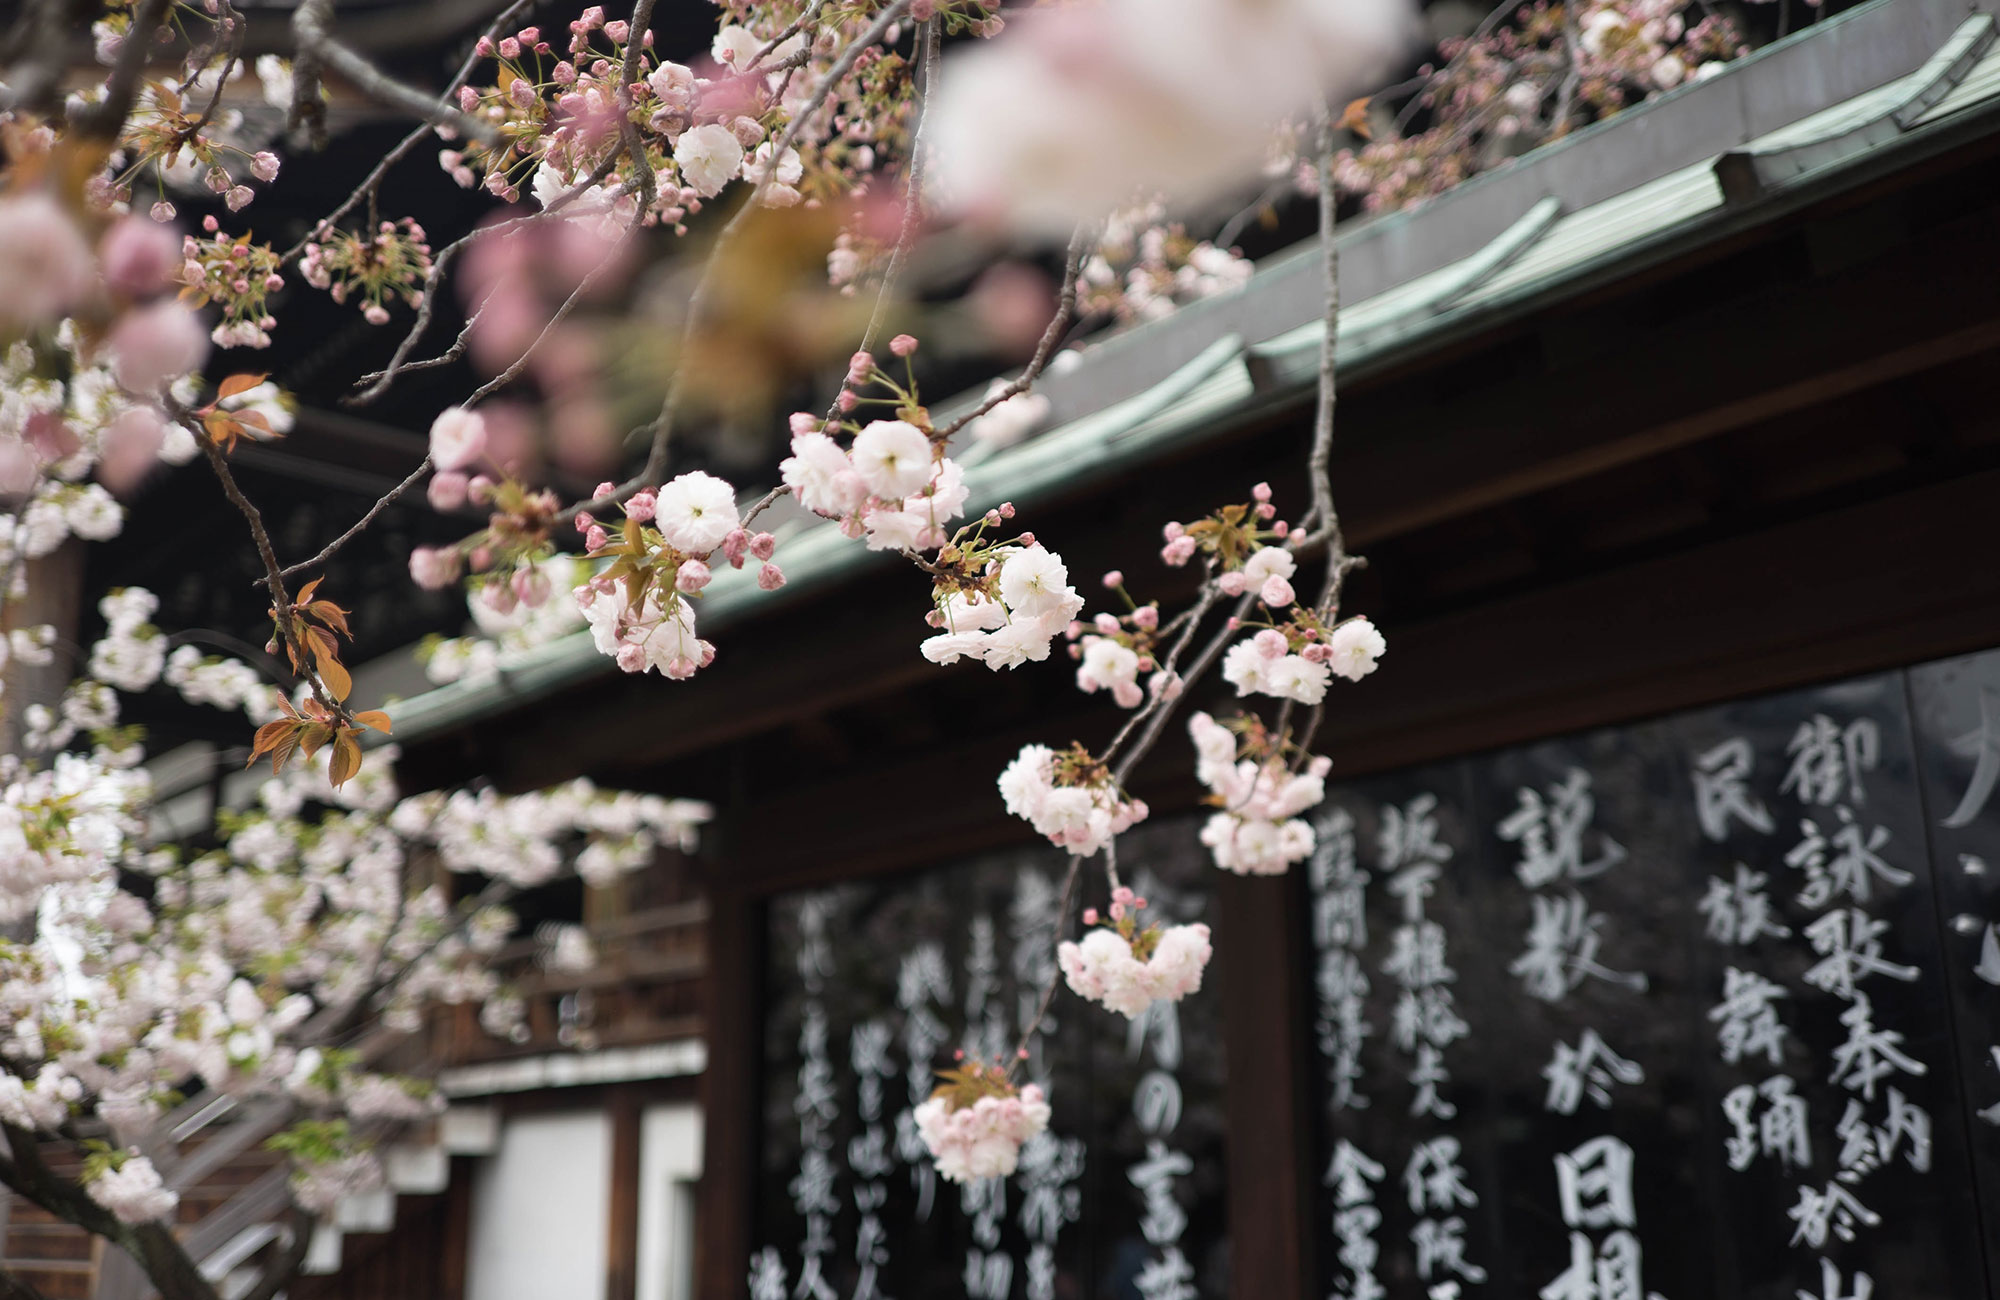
column 238, row 384
column 374, row 718
column 346, row 759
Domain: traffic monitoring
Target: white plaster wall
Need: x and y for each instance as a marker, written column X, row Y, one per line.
column 539, row 1207
column 669, row 1164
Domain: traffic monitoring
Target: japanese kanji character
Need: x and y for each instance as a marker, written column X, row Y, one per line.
column 1721, row 790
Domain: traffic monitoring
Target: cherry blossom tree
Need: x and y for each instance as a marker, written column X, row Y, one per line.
column 279, row 959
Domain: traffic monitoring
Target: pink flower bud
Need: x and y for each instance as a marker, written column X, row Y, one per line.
column 1146, row 616
column 584, row 519
column 264, row 165
column 448, row 490
column 163, row 211
column 734, row 543
column 458, row 438
column 770, row 577
column 804, row 422
column 483, row 47
column 618, row 31
column 903, row 345
column 1027, row 539
column 1277, row 592
column 1267, row 511
column 1262, row 492
column 858, row 367
column 210, row 224
column 1271, row 643
column 532, row 586
column 763, row 546
column 693, row 575
column 273, row 282
column 1179, row 551
column 1232, row 583
column 1006, row 509
column 632, row 658
column 1106, row 623
column 847, row 401
column 498, row 597
column 529, row 35
column 509, row 48
column 1316, row 653
column 641, row 506
column 1114, row 579
column 434, row 567
column 1280, row 528
column 1090, row 916
column 1172, row 532
column 595, row 538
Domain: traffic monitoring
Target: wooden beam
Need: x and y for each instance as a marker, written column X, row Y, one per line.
column 621, row 1257
column 1261, row 977
column 729, row 1099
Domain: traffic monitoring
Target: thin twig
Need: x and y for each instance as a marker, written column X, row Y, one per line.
column 913, row 190
column 370, row 183
column 274, row 579
column 1058, row 326
column 379, row 381
column 310, row 26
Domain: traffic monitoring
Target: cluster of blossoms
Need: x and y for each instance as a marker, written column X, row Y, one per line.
column 181, row 135
column 1295, row 661
column 1146, row 266
column 502, row 635
column 127, row 1184
column 976, row 1122
column 1118, row 648
column 1127, row 968
column 1069, row 797
column 563, row 114
column 375, row 270
column 1257, row 830
column 640, row 607
column 1548, row 70
column 237, row 274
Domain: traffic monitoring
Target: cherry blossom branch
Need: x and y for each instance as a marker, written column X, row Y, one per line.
column 310, row 22
column 628, row 131
column 1158, row 721
column 274, row 578
column 371, row 183
column 661, row 427
column 1055, row 980
column 151, row 1245
column 809, row 18
column 1321, row 524
column 1058, row 326
column 105, row 119
column 913, row 185
column 230, row 28
column 379, row 381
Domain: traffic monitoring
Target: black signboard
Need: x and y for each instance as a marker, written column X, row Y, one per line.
column 1695, row 1008
column 873, row 987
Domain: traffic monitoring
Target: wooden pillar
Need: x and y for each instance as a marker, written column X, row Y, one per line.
column 621, row 1258
column 729, row 1098
column 1270, row 1141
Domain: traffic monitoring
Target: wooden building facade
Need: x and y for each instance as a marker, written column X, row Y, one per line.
column 1668, row 446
